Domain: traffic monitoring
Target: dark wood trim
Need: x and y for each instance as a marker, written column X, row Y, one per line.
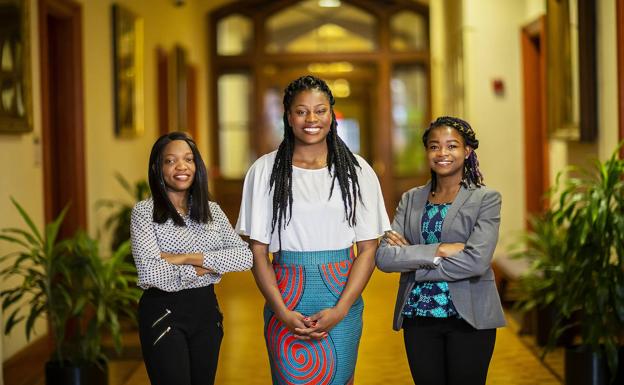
column 162, row 82
column 232, row 63
column 256, row 60
column 71, row 13
column 588, row 97
column 382, row 159
column 27, row 365
column 191, row 101
column 213, row 87
column 620, row 65
column 536, row 162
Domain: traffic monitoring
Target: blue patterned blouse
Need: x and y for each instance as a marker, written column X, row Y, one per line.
column 431, row 299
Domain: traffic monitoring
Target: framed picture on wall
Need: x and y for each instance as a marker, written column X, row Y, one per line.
column 127, row 72
column 15, row 77
column 571, row 69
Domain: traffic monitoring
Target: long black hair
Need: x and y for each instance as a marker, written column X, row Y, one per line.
column 199, row 206
column 341, row 163
column 472, row 174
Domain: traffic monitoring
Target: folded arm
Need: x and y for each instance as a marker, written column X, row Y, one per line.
column 392, row 257
column 152, row 269
column 476, row 257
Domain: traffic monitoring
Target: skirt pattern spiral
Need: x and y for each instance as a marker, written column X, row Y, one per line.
column 310, row 282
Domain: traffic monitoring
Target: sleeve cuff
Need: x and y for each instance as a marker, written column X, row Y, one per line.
column 437, row 260
column 210, row 263
column 187, row 274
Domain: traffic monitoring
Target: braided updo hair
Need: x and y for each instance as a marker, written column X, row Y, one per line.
column 472, row 174
column 341, row 163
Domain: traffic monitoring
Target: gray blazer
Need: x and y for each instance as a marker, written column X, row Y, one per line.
column 472, row 219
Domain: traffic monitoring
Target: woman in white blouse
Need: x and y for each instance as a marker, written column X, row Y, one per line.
column 308, row 203
column 182, row 243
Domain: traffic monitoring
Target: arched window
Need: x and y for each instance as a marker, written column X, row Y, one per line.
column 373, row 54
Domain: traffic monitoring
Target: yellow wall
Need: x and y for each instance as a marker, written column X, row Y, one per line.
column 491, row 49
column 165, row 25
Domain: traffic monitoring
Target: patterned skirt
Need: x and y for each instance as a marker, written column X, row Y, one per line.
column 310, row 282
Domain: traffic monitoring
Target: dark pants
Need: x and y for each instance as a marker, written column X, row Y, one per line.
column 447, row 351
column 180, row 335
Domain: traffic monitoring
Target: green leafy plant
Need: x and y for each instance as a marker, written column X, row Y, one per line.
column 81, row 293
column 576, row 249
column 118, row 222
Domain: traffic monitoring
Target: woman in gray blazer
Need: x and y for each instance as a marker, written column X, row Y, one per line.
column 442, row 241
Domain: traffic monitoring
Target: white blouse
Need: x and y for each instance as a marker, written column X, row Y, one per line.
column 318, row 222
column 223, row 249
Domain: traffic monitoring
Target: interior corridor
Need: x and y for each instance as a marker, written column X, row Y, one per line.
column 381, row 359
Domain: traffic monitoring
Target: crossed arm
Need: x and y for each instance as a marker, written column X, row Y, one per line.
column 469, row 259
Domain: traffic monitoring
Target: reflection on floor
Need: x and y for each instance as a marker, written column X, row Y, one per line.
column 381, row 359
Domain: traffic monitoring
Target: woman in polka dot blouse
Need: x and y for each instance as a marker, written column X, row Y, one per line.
column 182, row 243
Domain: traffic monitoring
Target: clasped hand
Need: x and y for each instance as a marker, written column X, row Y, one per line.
column 316, row 326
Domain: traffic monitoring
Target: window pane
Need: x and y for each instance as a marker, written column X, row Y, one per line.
column 408, row 32
column 274, row 115
column 234, row 96
column 234, row 35
column 409, row 118
column 321, row 26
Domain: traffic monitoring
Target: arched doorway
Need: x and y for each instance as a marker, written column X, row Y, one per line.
column 374, row 55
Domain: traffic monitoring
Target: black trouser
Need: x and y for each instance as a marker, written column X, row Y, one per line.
column 447, row 351
column 180, row 335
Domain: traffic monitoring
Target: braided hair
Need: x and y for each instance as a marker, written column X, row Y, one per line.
column 341, row 163
column 472, row 174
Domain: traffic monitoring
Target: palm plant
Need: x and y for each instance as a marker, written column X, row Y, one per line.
column 67, row 280
column 577, row 254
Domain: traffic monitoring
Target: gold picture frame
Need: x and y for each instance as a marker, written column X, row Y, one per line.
column 571, row 69
column 128, row 71
column 15, row 67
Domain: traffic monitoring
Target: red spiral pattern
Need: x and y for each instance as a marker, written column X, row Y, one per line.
column 300, row 362
column 290, row 280
column 335, row 275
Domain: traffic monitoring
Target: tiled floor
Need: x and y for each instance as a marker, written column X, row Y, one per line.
column 381, row 359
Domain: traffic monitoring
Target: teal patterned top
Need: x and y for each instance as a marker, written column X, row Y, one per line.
column 431, row 299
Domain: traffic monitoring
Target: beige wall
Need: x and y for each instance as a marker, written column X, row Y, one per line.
column 492, row 51
column 165, row 25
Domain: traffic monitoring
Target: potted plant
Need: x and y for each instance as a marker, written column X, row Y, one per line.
column 81, row 294
column 576, row 250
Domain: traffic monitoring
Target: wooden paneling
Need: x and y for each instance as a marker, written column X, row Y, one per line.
column 60, row 38
column 27, row 365
column 533, row 43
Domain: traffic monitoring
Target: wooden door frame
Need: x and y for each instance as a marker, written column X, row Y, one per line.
column 384, row 58
column 620, row 66
column 72, row 12
column 535, row 135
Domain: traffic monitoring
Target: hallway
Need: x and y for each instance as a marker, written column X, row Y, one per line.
column 381, row 360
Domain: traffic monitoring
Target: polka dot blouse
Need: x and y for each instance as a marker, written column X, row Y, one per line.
column 223, row 249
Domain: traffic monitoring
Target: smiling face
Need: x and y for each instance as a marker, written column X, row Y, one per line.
column 310, row 117
column 446, row 152
column 178, row 166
